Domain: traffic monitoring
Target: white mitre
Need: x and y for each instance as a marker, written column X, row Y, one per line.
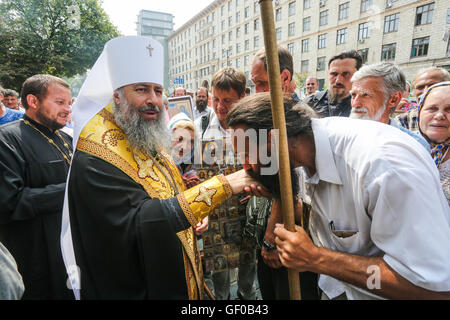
column 124, row 61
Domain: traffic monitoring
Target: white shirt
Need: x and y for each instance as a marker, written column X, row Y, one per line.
column 214, row 129
column 198, row 114
column 376, row 181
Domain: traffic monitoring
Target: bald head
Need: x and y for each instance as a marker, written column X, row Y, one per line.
column 311, row 85
column 427, row 77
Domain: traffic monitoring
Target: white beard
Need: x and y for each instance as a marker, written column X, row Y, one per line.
column 356, row 113
column 147, row 136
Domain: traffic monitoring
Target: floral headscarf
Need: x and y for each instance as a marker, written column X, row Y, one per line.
column 437, row 149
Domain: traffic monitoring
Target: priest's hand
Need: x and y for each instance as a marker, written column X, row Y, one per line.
column 241, row 181
column 201, row 227
column 295, row 249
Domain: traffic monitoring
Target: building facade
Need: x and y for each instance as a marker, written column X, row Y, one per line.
column 411, row 34
column 158, row 26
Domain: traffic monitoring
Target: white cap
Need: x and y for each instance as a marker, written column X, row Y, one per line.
column 124, row 61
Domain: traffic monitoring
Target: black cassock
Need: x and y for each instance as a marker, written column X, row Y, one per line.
column 32, row 186
column 125, row 242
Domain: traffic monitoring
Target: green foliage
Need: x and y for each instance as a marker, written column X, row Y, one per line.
column 58, row 37
column 300, row 79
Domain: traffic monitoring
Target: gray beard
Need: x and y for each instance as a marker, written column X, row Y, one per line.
column 366, row 116
column 148, row 136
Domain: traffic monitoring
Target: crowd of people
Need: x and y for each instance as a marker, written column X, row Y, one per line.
column 116, row 208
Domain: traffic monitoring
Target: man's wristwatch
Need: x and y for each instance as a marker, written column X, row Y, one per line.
column 268, row 246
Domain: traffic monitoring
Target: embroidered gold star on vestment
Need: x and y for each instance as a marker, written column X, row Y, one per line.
column 205, row 195
column 145, row 168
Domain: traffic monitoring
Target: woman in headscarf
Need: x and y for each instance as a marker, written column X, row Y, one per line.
column 434, row 125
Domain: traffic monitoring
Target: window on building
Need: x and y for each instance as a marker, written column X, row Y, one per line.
column 238, row 32
column 222, row 25
column 230, row 6
column 256, row 42
column 291, row 28
column 307, row 24
column 238, row 2
column 230, row 36
column 238, row 63
column 247, row 28
column 321, row 63
column 366, row 5
column 424, row 14
column 344, row 10
column 247, row 45
column 363, row 31
column 306, row 4
column 278, row 33
column 391, row 23
column 246, row 60
column 256, row 7
column 341, row 36
column 305, row 45
column 448, row 16
column 223, row 41
column 388, row 52
column 222, row 11
column 247, row 12
column 290, row 47
column 238, row 17
column 364, row 53
column 278, row 14
column 420, row 47
column 230, row 21
column 304, row 67
column 291, row 8
column 322, row 41
column 256, row 24
column 323, row 18
column 238, row 48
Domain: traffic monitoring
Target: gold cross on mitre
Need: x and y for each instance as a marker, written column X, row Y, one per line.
column 150, row 49
column 205, row 195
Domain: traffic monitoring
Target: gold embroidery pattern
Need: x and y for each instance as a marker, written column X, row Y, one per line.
column 187, row 209
column 145, row 168
column 205, row 195
column 100, row 151
column 225, row 184
column 112, row 137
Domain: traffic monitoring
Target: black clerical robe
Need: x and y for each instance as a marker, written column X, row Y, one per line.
column 131, row 218
column 32, row 185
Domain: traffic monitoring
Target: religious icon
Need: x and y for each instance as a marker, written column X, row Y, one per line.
column 214, row 227
column 220, row 263
column 209, row 265
column 207, row 242
column 202, row 175
column 181, row 104
column 218, row 239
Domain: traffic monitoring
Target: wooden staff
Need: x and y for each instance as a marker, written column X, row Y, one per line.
column 279, row 122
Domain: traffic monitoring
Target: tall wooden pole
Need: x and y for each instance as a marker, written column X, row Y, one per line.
column 279, row 122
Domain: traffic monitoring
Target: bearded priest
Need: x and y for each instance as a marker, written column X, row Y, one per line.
column 127, row 226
